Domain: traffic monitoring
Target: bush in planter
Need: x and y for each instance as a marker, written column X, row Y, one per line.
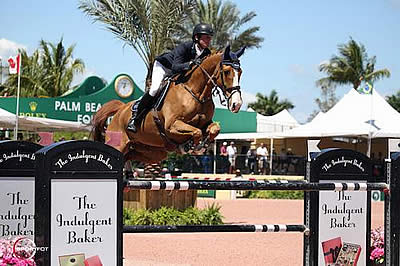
column 170, row 216
column 276, row 194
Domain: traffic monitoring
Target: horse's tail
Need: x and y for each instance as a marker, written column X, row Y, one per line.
column 99, row 121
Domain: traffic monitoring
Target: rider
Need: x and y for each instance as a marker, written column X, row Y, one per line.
column 181, row 59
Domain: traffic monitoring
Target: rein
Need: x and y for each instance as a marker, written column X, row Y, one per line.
column 217, row 90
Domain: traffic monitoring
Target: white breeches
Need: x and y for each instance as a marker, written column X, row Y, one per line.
column 157, row 76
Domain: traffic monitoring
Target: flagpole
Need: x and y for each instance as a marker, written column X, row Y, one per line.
column 370, row 124
column 18, row 89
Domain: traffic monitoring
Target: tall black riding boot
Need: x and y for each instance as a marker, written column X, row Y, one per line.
column 144, row 106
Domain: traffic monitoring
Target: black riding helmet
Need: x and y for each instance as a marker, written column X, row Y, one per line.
column 202, row 28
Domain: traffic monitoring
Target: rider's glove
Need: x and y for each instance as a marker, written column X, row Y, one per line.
column 196, row 62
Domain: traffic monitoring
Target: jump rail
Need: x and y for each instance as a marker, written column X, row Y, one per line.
column 254, row 185
column 268, row 228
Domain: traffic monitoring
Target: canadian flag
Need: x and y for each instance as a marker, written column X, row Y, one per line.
column 14, row 64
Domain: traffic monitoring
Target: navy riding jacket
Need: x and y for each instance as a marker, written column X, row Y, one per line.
column 178, row 59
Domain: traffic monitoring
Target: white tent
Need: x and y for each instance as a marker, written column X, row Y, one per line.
column 47, row 124
column 361, row 115
column 7, row 120
column 276, row 123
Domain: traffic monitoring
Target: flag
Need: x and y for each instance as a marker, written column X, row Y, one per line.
column 365, row 87
column 14, row 64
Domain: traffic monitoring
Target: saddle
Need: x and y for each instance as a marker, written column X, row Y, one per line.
column 165, row 84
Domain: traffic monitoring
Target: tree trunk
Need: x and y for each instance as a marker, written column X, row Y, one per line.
column 148, row 77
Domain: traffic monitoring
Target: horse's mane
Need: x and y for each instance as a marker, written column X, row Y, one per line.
column 195, row 72
column 211, row 57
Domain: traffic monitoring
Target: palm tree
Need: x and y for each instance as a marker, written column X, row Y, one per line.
column 59, row 66
column 270, row 105
column 351, row 66
column 148, row 26
column 48, row 72
column 32, row 76
column 226, row 21
column 394, row 100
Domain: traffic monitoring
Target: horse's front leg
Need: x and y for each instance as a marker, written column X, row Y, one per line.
column 212, row 131
column 181, row 130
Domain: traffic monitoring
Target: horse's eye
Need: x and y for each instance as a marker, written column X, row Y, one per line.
column 227, row 72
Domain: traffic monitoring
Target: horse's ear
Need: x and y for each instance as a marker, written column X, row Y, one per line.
column 241, row 51
column 227, row 52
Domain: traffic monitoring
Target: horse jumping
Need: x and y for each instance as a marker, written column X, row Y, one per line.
column 184, row 122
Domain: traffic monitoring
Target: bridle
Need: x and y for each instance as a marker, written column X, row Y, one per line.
column 217, row 89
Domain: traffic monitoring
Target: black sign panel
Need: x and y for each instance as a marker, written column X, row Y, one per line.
column 340, row 164
column 79, row 187
column 343, row 217
column 17, row 184
column 17, row 158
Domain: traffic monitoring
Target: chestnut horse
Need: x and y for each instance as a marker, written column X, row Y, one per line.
column 185, row 118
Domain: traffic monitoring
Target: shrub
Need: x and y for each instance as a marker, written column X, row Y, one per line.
column 170, row 216
column 211, row 215
column 276, row 194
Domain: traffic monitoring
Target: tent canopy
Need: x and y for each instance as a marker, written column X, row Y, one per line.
column 7, row 120
column 276, row 123
column 355, row 115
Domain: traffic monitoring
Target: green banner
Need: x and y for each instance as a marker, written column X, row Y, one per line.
column 80, row 104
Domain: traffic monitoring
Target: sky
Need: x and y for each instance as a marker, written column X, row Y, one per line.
column 298, row 37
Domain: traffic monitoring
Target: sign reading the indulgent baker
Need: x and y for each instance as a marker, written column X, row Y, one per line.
column 342, row 219
column 343, row 227
column 17, row 207
column 84, row 220
column 17, row 185
column 80, row 216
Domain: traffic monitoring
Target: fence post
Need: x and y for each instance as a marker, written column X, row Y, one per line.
column 392, row 216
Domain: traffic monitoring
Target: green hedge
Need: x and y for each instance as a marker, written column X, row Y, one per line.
column 169, row 216
column 276, row 194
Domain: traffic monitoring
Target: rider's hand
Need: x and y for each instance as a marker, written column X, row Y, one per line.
column 196, row 62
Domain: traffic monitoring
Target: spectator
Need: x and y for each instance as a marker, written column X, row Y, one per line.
column 224, row 156
column 290, row 159
column 206, row 161
column 232, row 151
column 283, row 161
column 252, row 159
column 262, row 156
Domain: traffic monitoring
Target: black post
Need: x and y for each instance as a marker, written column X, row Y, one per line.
column 392, row 217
